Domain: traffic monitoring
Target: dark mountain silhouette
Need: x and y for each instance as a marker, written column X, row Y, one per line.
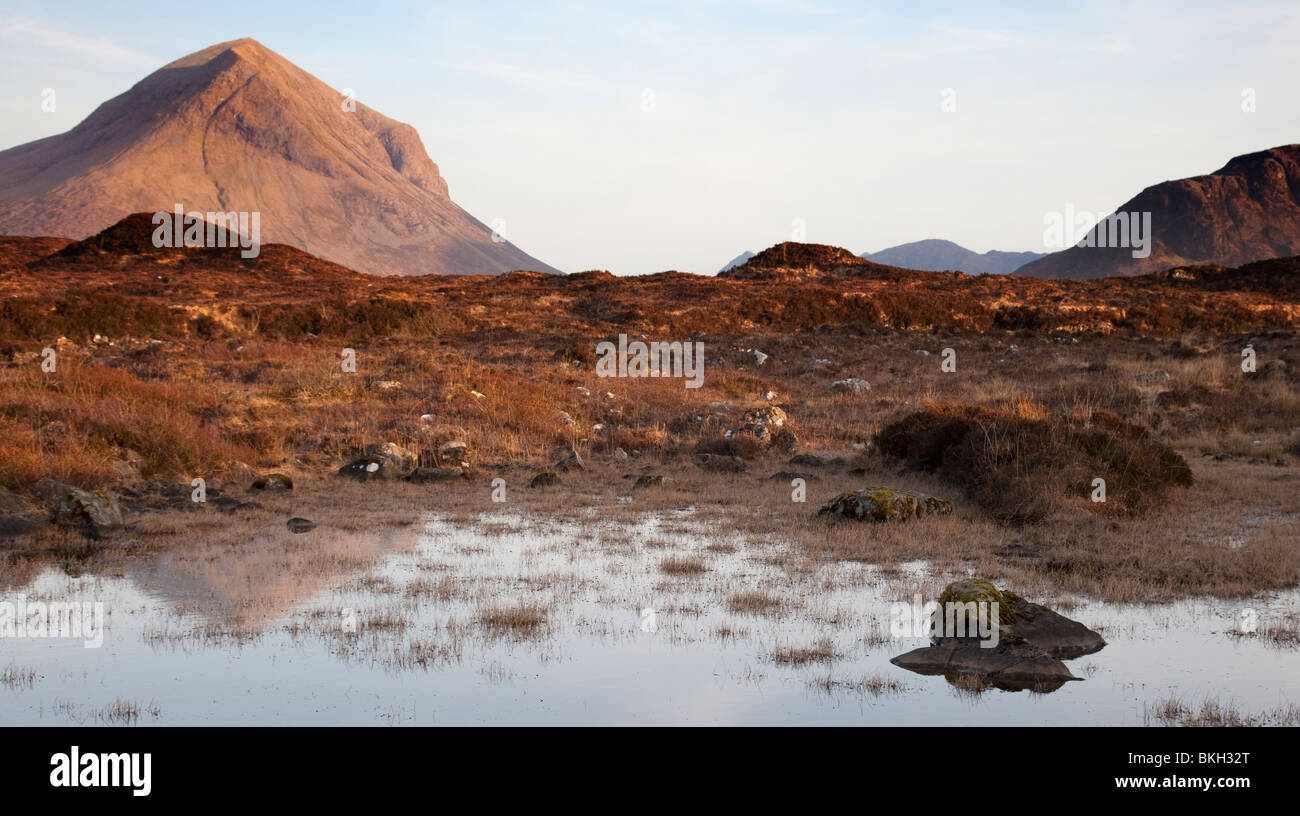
column 1249, row 210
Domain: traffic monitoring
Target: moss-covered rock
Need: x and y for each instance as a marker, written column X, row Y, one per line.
column 976, row 590
column 881, row 503
column 272, row 481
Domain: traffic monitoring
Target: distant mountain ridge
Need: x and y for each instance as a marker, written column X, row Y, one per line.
column 938, row 255
column 236, row 127
column 1247, row 210
column 737, row 261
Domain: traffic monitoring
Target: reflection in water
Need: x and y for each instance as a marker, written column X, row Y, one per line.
column 545, row 622
column 240, row 589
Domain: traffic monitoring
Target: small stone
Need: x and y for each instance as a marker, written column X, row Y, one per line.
column 720, row 464
column 272, row 481
column 571, row 462
column 299, row 525
column 851, row 385
column 440, row 474
column 880, row 503
column 546, row 478
column 95, row 514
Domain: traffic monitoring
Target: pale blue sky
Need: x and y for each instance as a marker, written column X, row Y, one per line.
column 765, row 111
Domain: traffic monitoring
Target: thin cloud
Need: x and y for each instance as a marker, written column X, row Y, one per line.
column 42, row 36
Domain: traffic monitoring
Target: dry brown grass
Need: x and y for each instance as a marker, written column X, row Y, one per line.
column 1283, row 633
column 823, row 651
column 17, row 677
column 126, row 712
column 683, row 565
column 876, row 685
column 520, row 618
column 1213, row 713
column 755, row 602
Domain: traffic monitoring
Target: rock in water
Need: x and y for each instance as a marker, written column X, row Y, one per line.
column 1032, row 641
column 1010, row 666
column 880, row 503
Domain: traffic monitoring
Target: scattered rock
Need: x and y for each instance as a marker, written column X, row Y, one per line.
column 769, row 415
column 387, row 461
column 620, row 455
column 271, row 481
column 571, row 462
column 880, row 503
column 95, row 515
column 786, row 441
column 228, row 505
column 53, row 429
column 787, row 475
column 851, row 385
column 759, row 357
column 760, row 423
column 455, row 454
column 51, row 493
column 365, row 468
column 299, row 525
column 398, row 459
column 547, row 478
column 815, row 460
column 425, row 475
column 718, row 463
column 750, row 429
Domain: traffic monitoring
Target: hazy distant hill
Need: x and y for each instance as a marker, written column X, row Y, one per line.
column 737, row 261
column 937, row 255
